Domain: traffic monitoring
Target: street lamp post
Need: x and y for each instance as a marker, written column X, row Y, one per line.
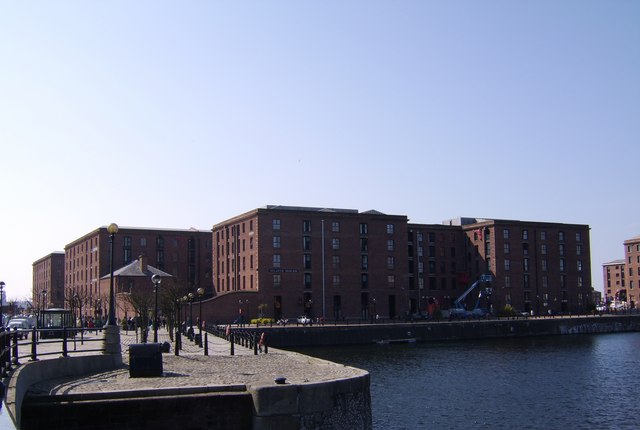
column 156, row 279
column 112, row 230
column 200, row 293
column 184, row 300
column 190, row 295
column 2, row 284
column 178, row 319
column 44, row 300
column 75, row 302
column 374, row 317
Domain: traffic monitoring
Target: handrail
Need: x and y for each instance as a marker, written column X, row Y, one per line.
column 249, row 338
column 12, row 349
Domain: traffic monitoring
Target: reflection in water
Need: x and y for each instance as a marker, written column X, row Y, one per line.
column 577, row 382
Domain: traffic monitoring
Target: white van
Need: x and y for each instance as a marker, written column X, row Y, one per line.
column 22, row 326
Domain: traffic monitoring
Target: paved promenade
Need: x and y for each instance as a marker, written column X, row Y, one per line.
column 193, row 369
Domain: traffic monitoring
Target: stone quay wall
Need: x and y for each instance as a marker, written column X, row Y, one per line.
column 195, row 392
column 338, row 404
column 337, row 334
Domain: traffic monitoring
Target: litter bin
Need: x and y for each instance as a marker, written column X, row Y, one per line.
column 145, row 360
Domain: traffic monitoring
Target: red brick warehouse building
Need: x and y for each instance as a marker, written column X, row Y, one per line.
column 632, row 260
column 184, row 254
column 331, row 263
column 48, row 281
column 622, row 277
column 284, row 261
column 537, row 266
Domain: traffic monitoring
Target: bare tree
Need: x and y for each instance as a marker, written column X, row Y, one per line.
column 142, row 304
column 168, row 302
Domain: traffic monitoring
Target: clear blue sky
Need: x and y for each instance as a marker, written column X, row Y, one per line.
column 182, row 114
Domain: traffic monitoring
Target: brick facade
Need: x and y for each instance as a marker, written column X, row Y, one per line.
column 331, row 263
column 283, row 262
column 185, row 254
column 614, row 279
column 632, row 259
column 341, row 263
column 48, row 281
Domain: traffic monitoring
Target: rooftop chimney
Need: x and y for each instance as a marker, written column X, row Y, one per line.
column 142, row 259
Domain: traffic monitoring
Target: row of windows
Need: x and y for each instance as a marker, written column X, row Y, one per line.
column 637, row 259
column 235, row 231
column 544, row 280
column 230, row 284
column 232, row 264
column 630, row 247
column 431, row 251
column 545, row 298
column 335, row 243
column 506, row 234
column 276, row 224
column 431, row 237
column 336, row 280
column 506, row 248
column 544, row 265
column 231, row 248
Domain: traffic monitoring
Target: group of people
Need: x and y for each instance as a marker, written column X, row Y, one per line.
column 89, row 322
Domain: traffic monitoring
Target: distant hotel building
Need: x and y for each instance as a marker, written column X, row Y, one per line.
column 614, row 280
column 622, row 277
column 632, row 258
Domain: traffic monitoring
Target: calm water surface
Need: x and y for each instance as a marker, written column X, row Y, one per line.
column 559, row 382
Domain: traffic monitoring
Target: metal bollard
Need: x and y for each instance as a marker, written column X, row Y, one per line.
column 34, row 354
column 206, row 344
column 64, row 342
column 177, row 347
column 15, row 352
column 231, row 336
column 255, row 344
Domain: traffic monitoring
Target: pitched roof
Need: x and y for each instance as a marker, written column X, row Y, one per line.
column 133, row 269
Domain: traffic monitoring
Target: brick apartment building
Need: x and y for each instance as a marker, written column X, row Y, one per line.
column 438, row 268
column 282, row 262
column 330, row 263
column 341, row 263
column 621, row 278
column 538, row 266
column 632, row 260
column 614, row 280
column 184, row 254
column 48, row 281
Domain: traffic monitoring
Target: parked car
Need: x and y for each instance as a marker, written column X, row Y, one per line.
column 21, row 326
column 303, row 319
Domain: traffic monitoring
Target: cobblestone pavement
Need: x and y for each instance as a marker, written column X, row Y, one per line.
column 193, row 369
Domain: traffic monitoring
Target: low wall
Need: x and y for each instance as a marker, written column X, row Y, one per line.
column 336, row 404
column 28, row 374
column 329, row 334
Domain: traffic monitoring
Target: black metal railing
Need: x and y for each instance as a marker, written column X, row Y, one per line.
column 250, row 339
column 32, row 344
